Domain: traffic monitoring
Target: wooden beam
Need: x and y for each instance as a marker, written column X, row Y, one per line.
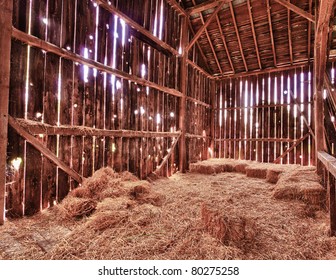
column 48, row 47
column 264, row 71
column 107, row 5
column 224, row 42
column 42, row 129
column 205, row 6
column 279, row 140
column 210, row 42
column 320, row 58
column 249, row 7
column 238, row 36
column 332, row 205
column 183, row 100
column 44, row 150
column 329, row 163
column 309, row 30
column 297, row 10
column 196, row 101
column 6, row 12
column 295, row 144
column 165, row 159
column 205, row 61
column 290, row 35
column 195, row 66
column 201, row 30
column 213, row 117
column 177, row 7
column 271, row 31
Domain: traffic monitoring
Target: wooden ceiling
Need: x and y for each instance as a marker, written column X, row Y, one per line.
column 252, row 35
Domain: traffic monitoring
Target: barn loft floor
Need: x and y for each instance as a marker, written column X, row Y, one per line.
column 224, row 215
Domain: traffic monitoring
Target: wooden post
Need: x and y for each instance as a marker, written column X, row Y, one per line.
column 6, row 12
column 213, row 117
column 332, row 204
column 320, row 57
column 183, row 100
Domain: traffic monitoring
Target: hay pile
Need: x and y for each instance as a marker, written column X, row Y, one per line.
column 222, row 216
column 303, row 184
column 99, row 189
column 228, row 227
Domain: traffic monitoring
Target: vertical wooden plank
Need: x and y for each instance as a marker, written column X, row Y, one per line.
column 5, row 46
column 15, row 148
column 64, row 151
column 285, row 115
column 50, row 117
column 265, row 123
column 271, row 113
column 34, row 112
column 306, row 112
column 291, row 118
column 260, row 119
column 183, row 101
column 332, row 204
column 279, row 110
column 254, row 119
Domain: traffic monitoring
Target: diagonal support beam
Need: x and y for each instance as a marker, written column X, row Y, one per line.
column 164, row 161
column 44, row 150
column 210, row 42
column 199, row 47
column 295, row 144
column 296, row 9
column 238, row 36
column 177, row 7
column 205, row 6
column 112, row 9
column 249, row 7
column 202, row 29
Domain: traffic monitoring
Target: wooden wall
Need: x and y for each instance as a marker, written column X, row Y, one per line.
column 127, row 120
column 260, row 117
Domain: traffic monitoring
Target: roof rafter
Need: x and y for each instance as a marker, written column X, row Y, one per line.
column 210, row 42
column 271, row 31
column 290, row 35
column 225, row 45
column 199, row 46
column 177, row 7
column 206, row 5
column 201, row 30
column 296, row 9
column 238, row 36
column 249, row 7
column 309, row 30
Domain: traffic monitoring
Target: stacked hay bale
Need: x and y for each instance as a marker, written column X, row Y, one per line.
column 227, row 226
column 302, row 184
column 109, row 195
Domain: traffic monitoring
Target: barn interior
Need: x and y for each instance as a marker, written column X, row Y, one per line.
column 167, row 129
